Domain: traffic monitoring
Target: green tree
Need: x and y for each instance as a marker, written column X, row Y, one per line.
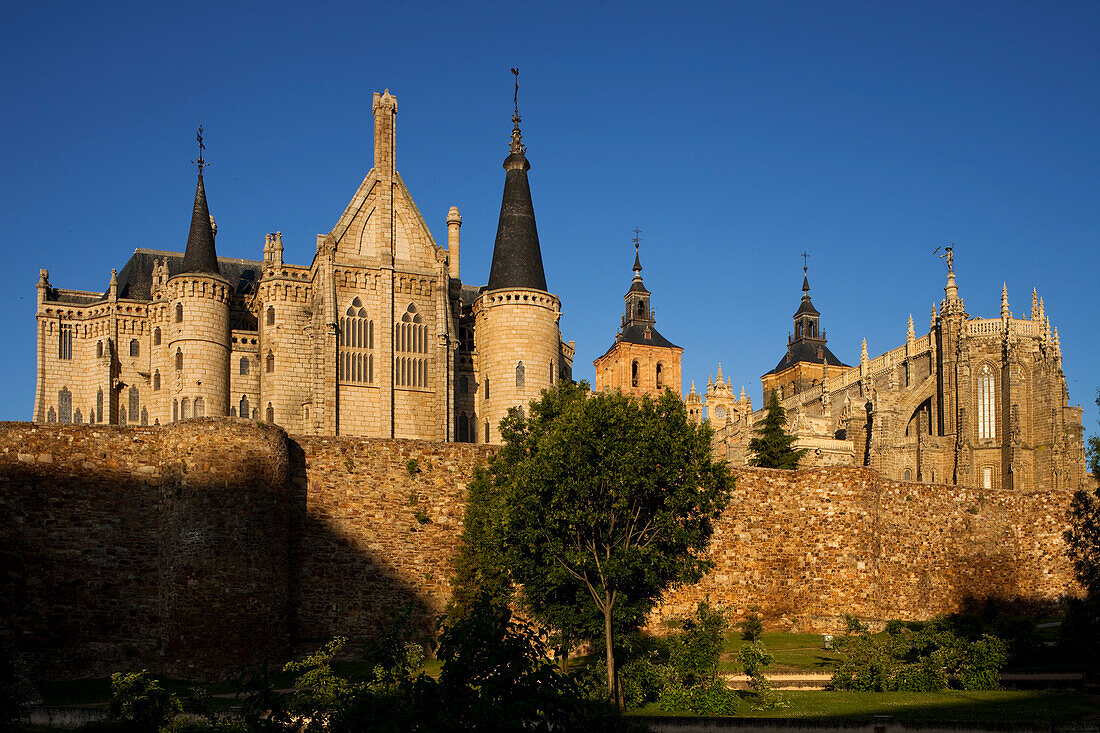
column 1083, row 536
column 594, row 506
column 1083, row 545
column 773, row 448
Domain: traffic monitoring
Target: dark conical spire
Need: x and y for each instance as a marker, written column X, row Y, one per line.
column 200, row 255
column 517, row 258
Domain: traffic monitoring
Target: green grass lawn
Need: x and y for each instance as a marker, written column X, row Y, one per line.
column 792, row 652
column 1009, row 705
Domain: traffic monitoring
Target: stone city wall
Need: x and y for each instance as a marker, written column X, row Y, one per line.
column 204, row 545
column 371, row 537
column 130, row 548
column 809, row 546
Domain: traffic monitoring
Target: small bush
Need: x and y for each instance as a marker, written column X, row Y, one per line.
column 752, row 627
column 917, row 657
column 694, row 654
column 139, row 703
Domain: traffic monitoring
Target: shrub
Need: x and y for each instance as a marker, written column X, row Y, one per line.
column 755, row 658
column 138, row 699
column 712, row 699
column 752, row 627
column 694, row 654
column 917, row 657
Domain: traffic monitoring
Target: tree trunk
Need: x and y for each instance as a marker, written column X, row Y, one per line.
column 611, row 676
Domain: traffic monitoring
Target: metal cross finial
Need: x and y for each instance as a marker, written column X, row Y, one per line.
column 200, row 163
column 637, row 239
column 804, row 266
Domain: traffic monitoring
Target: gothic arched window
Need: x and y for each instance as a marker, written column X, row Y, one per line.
column 520, row 374
column 200, row 407
column 634, row 373
column 463, row 428
column 270, row 413
column 175, row 410
column 271, row 315
column 99, row 349
column 64, row 405
column 179, row 359
column 908, row 476
column 135, row 407
column 77, row 417
column 244, row 365
column 244, row 406
column 144, row 416
column 270, row 362
column 156, row 380
column 987, row 410
column 185, row 409
column 411, row 337
column 355, row 341
column 179, row 312
column 135, row 348
column 99, row 405
column 65, row 341
column 660, row 375
column 156, row 337
column 463, row 384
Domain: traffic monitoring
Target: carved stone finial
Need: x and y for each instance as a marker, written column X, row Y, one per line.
column 911, row 333
column 1005, row 312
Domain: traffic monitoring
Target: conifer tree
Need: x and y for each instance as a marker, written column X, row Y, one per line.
column 773, row 446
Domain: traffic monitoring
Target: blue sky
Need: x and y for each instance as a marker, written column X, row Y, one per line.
column 734, row 135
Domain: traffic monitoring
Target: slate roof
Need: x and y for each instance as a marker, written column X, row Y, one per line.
column 517, row 258
column 200, row 255
column 805, row 350
column 635, row 334
column 136, row 277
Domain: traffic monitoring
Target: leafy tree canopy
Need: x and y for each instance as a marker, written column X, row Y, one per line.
column 594, row 506
column 773, row 446
column 1083, row 536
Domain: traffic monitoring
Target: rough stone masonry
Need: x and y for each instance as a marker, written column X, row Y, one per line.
column 196, row 548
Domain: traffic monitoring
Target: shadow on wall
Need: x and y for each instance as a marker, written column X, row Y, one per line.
column 185, row 549
column 338, row 587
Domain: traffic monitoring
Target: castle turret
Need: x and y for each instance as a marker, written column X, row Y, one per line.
column 516, row 318
column 198, row 321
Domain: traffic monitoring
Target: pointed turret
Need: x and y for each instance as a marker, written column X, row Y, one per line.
column 517, row 258
column 200, row 255
column 1006, row 314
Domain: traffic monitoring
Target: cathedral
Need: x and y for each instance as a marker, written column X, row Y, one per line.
column 974, row 401
column 377, row 337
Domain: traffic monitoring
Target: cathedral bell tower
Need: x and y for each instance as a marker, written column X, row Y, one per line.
column 808, row 358
column 641, row 361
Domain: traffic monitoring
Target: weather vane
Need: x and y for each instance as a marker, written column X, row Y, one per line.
column 637, row 238
column 805, row 256
column 200, row 163
column 515, row 97
column 949, row 255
